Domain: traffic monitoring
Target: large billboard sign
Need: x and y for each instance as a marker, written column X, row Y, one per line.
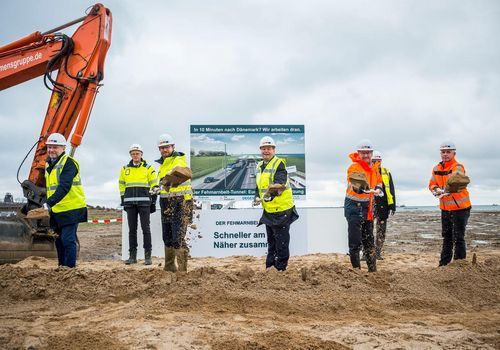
column 224, row 158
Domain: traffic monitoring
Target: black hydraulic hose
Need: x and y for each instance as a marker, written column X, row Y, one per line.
column 66, row 49
column 27, row 154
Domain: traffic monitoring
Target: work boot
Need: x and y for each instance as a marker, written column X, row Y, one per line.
column 355, row 260
column 378, row 253
column 170, row 260
column 147, row 257
column 182, row 259
column 132, row 253
column 371, row 261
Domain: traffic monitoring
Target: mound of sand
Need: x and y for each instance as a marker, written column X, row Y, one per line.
column 233, row 303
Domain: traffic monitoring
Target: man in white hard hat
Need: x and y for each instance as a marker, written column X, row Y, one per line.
column 275, row 194
column 176, row 204
column 363, row 183
column 383, row 204
column 136, row 183
column 455, row 204
column 65, row 198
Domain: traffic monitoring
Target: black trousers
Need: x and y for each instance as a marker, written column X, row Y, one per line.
column 360, row 232
column 381, row 228
column 453, row 232
column 278, row 240
column 133, row 212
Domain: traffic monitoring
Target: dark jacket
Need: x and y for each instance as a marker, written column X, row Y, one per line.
column 69, row 217
column 382, row 208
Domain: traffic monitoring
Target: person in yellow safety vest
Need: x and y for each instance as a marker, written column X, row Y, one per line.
column 279, row 210
column 176, row 205
column 383, row 205
column 136, row 183
column 65, row 198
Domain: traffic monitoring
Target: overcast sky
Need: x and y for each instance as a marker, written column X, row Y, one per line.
column 405, row 74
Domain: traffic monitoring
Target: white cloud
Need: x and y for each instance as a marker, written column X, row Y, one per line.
column 237, row 137
column 404, row 74
column 205, row 139
column 286, row 141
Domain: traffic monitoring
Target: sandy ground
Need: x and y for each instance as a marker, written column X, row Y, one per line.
column 234, row 303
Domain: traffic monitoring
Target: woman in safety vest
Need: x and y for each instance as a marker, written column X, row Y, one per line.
column 137, row 181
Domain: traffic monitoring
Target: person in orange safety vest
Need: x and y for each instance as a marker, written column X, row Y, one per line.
column 455, row 207
column 359, row 203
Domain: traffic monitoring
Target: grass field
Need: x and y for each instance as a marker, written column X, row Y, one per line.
column 202, row 166
column 299, row 162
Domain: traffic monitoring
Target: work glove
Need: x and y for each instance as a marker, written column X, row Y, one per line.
column 155, row 190
column 153, row 198
column 152, row 208
column 361, row 190
column 437, row 192
column 378, row 192
column 392, row 209
column 256, row 202
column 268, row 197
column 46, row 206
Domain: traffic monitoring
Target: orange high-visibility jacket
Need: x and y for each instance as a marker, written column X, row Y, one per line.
column 440, row 175
column 374, row 179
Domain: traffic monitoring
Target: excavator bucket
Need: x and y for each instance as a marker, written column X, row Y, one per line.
column 18, row 241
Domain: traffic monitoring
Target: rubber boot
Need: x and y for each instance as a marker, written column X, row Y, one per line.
column 371, row 261
column 170, row 260
column 132, row 257
column 378, row 253
column 355, row 260
column 182, row 259
column 147, row 257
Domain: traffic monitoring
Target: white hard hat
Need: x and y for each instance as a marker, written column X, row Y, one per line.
column 135, row 147
column 365, row 145
column 165, row 140
column 447, row 145
column 377, row 155
column 267, row 141
column 56, row 139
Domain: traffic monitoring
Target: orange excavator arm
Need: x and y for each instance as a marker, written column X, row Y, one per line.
column 79, row 61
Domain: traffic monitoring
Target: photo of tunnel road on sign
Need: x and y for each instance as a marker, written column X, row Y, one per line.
column 224, row 157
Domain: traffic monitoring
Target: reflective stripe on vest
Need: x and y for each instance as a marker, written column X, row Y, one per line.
column 357, row 198
column 265, row 178
column 136, row 181
column 387, row 183
column 75, row 198
column 136, row 199
column 455, row 201
column 176, row 194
